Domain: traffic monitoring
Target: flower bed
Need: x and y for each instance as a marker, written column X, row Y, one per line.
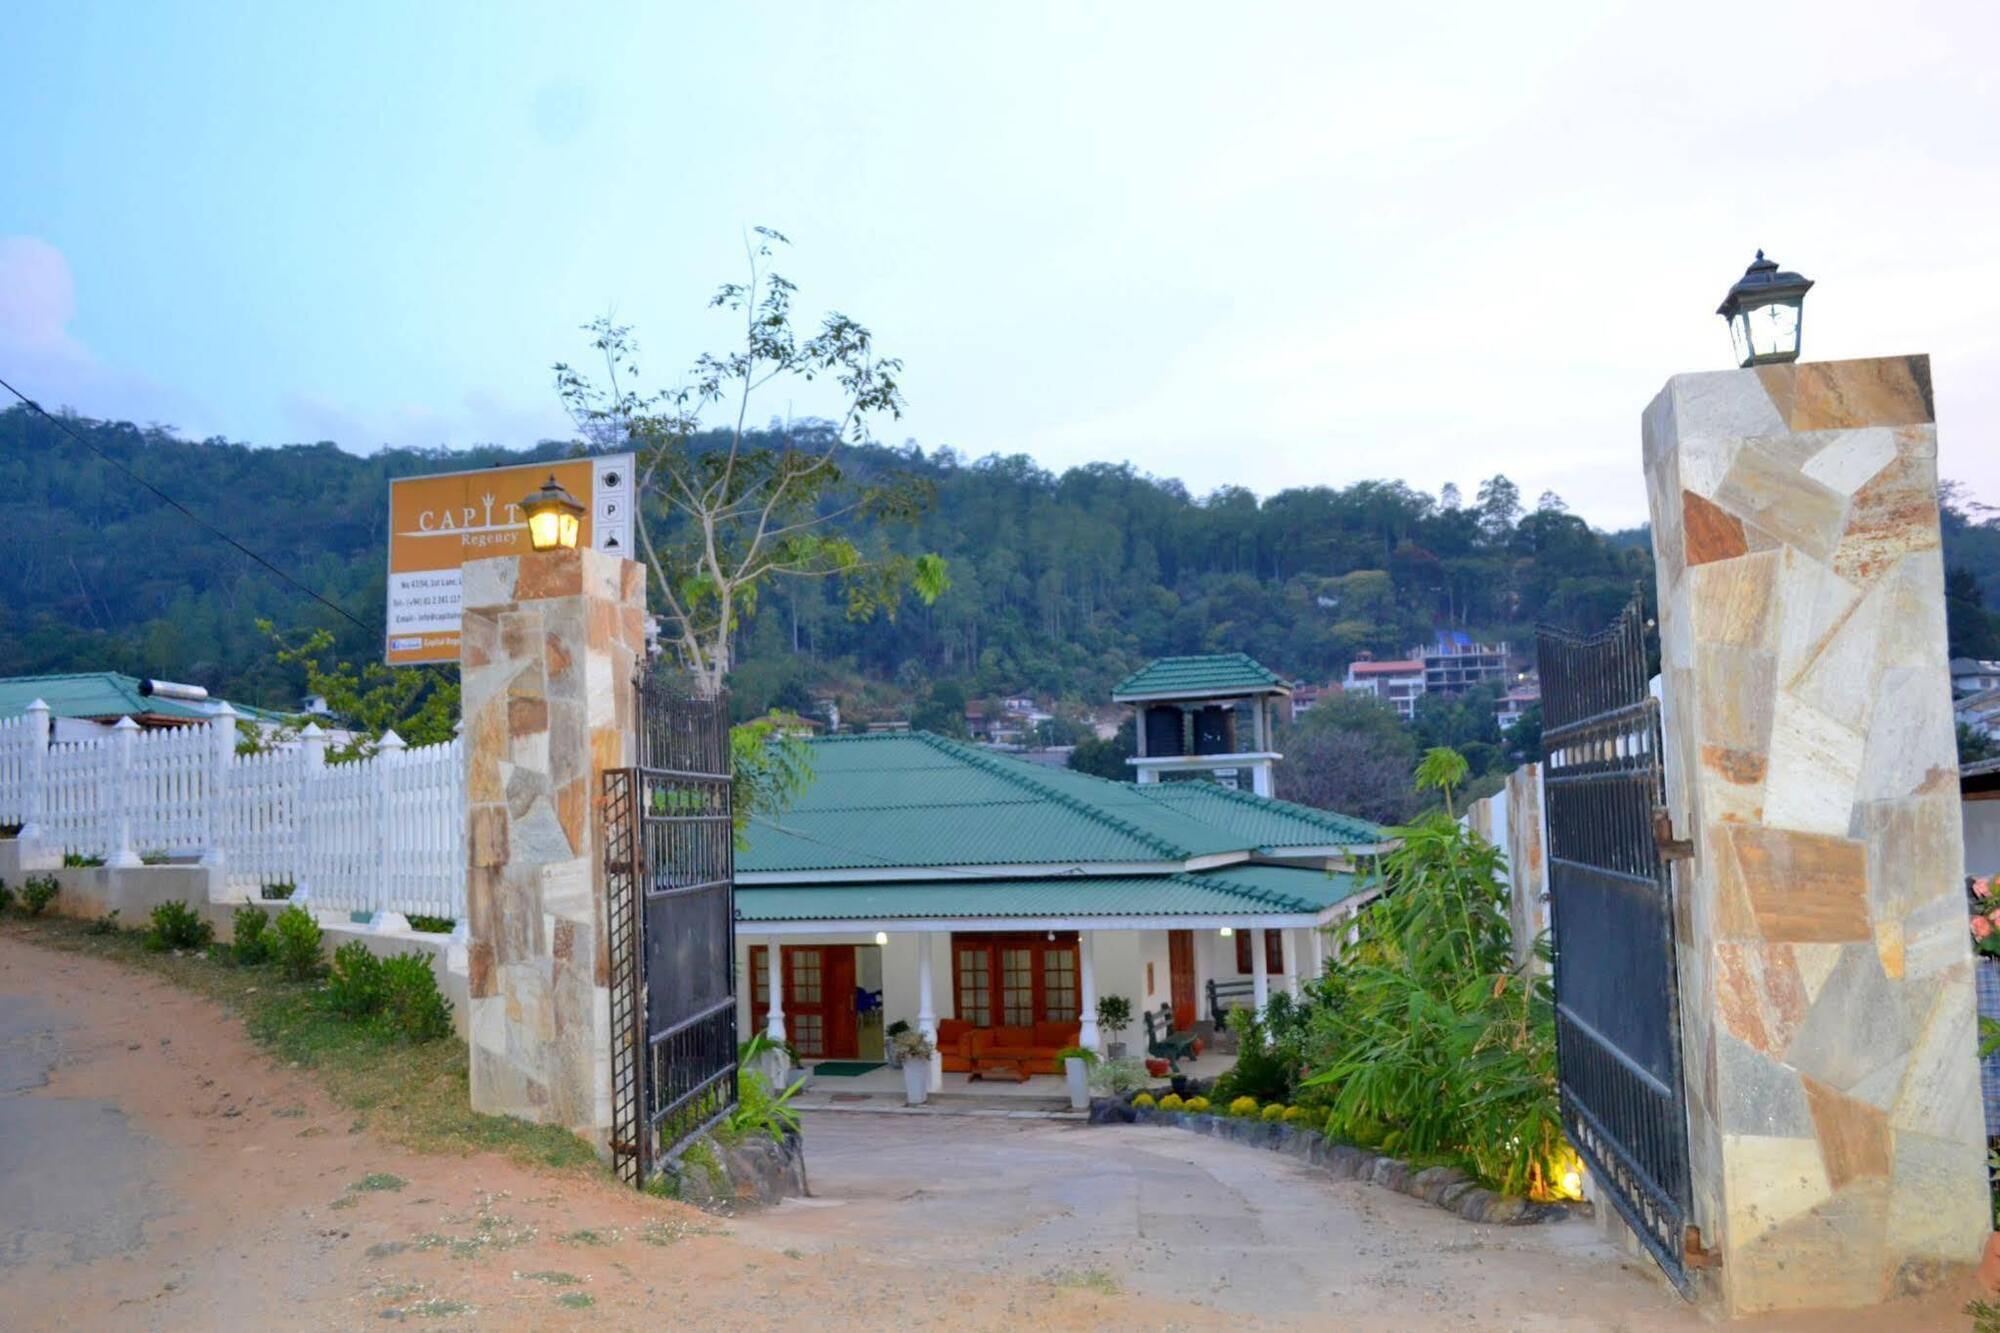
column 1444, row 1186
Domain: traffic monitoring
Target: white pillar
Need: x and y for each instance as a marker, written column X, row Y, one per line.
column 1315, row 954
column 123, row 736
column 222, row 749
column 388, row 757
column 927, row 1008
column 1260, row 778
column 1288, row 953
column 35, row 774
column 774, row 962
column 1086, row 993
column 1260, row 979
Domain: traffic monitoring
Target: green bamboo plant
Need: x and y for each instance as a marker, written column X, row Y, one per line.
column 1427, row 1039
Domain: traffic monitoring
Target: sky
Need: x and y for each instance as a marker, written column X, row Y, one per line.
column 1259, row 246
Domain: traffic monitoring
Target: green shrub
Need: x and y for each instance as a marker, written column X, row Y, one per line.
column 430, row 925
column 178, row 926
column 298, row 944
column 1171, row 1102
column 412, row 1006
column 758, row 1112
column 277, row 891
column 79, row 861
column 6, row 896
column 1083, row 1053
column 1146, row 1099
column 1196, row 1105
column 1298, row 1115
column 104, row 925
column 1266, row 1068
column 354, row 985
column 1275, row 1111
column 1244, row 1107
column 153, row 858
column 1435, row 1043
column 251, row 940
column 37, row 892
column 1115, row 1078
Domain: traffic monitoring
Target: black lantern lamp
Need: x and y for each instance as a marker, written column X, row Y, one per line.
column 554, row 517
column 1765, row 310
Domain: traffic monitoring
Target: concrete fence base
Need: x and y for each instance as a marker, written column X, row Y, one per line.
column 90, row 893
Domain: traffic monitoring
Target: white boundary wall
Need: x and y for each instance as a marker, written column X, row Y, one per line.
column 385, row 834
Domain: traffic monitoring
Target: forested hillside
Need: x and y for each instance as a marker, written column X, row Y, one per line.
column 1060, row 584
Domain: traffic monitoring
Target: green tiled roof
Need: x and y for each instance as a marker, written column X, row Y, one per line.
column 916, row 801
column 1234, row 891
column 1176, row 677
column 101, row 695
column 1260, row 822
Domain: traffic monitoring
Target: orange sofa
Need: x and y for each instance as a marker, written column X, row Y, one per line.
column 963, row 1048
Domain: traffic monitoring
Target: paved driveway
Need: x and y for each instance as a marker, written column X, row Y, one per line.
column 1176, row 1215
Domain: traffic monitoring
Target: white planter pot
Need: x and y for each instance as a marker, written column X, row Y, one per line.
column 1078, row 1074
column 917, row 1081
column 1114, row 1050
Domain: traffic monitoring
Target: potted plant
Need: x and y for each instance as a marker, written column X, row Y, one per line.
column 913, row 1052
column 1077, row 1062
column 895, row 1030
column 1114, row 1015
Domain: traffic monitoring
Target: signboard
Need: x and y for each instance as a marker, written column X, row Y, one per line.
column 439, row 522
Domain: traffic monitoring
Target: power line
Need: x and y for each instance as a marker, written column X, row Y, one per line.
column 191, row 516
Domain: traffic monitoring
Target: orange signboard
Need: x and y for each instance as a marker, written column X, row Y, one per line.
column 439, row 522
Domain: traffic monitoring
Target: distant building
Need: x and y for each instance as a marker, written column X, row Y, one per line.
column 1980, row 712
column 1515, row 702
column 1398, row 684
column 80, row 702
column 1454, row 664
column 1306, row 696
column 1018, row 705
column 1205, row 717
column 1972, row 676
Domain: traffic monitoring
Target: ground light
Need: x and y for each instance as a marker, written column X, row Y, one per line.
column 554, row 517
column 1766, row 314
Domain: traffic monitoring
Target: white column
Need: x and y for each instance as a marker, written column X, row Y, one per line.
column 774, row 955
column 927, row 1008
column 123, row 736
column 1260, row 979
column 388, row 757
column 1260, row 778
column 221, row 750
column 35, row 772
column 1315, row 954
column 1288, row 953
column 1086, row 993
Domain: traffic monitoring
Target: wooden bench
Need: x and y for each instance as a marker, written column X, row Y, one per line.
column 1162, row 1042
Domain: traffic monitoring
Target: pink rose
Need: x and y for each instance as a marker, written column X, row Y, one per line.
column 1983, row 887
column 1994, row 917
column 1981, row 928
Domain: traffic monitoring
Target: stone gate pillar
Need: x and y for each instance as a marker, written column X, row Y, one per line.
column 1837, row 1142
column 549, row 645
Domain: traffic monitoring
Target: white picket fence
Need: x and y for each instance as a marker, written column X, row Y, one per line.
column 381, row 834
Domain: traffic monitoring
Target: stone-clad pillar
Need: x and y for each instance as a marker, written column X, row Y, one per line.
column 1826, row 982
column 549, row 645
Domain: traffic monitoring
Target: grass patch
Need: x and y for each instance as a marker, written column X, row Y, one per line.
column 553, row 1277
column 415, row 1095
column 575, row 1300
column 588, row 1237
column 379, row 1180
column 1098, row 1280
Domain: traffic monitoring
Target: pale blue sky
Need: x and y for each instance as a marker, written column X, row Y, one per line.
column 1236, row 244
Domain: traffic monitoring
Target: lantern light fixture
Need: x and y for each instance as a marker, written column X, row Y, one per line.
column 1226, row 931
column 555, row 517
column 881, row 937
column 1765, row 310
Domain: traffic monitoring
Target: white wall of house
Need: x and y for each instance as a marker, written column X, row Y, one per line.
column 1982, row 837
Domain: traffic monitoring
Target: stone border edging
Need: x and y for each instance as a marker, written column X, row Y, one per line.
column 1447, row 1187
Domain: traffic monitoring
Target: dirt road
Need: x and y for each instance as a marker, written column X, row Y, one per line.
column 157, row 1171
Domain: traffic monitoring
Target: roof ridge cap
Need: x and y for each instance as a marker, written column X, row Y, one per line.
column 1324, row 818
column 991, row 764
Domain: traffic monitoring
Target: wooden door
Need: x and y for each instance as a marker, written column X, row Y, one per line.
column 1180, row 968
column 820, row 1021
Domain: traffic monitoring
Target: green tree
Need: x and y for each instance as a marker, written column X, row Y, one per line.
column 420, row 704
column 1106, row 759
column 716, row 524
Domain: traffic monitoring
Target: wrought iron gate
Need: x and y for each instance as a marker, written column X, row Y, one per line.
column 670, row 870
column 1618, row 1027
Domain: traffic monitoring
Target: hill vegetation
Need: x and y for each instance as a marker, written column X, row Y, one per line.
column 1059, row 583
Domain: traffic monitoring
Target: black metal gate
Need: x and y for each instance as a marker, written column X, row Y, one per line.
column 1618, row 1023
column 670, row 870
